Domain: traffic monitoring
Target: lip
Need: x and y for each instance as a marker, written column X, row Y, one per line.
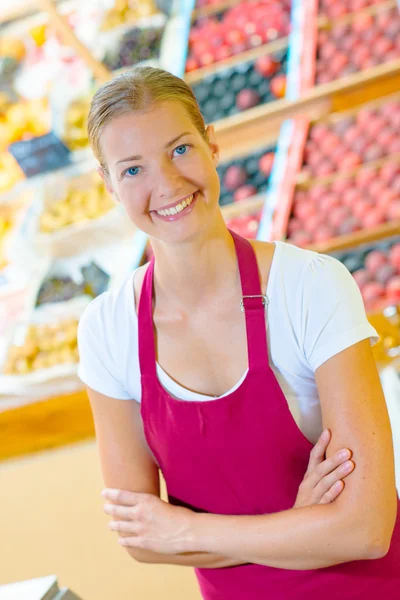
column 167, row 206
column 181, row 214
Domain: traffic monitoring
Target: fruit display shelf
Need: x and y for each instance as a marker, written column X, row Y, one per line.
column 376, row 269
column 343, row 142
column 364, row 205
column 242, row 86
column 359, row 42
column 334, row 9
column 245, row 25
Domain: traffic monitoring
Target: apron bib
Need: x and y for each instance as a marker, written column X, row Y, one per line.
column 243, row 454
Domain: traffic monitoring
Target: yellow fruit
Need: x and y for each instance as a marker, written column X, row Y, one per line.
column 38, row 34
column 13, row 47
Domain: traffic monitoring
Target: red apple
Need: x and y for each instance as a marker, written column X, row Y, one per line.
column 393, row 211
column 338, row 216
column 362, row 276
column 393, row 289
column 373, row 218
column 384, row 274
column 301, row 238
column 389, row 171
column 374, row 260
column 247, row 98
column 244, row 192
column 294, row 226
column 278, row 86
column 349, row 161
column 365, row 177
column 235, row 177
column 394, row 256
column 191, row 64
column 372, row 291
column 266, row 162
column 349, row 225
column 313, row 223
column 324, row 234
column 266, row 66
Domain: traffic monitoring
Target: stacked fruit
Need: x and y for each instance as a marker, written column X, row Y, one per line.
column 342, row 146
column 245, row 225
column 249, row 24
column 127, row 12
column 245, row 177
column 62, row 289
column 365, row 42
column 44, row 346
column 377, row 273
column 365, row 200
column 137, row 45
column 85, row 198
column 334, row 9
column 242, row 87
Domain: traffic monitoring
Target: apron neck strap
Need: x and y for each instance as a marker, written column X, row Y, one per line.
column 253, row 305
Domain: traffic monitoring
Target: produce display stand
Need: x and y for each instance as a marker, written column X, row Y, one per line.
column 33, row 424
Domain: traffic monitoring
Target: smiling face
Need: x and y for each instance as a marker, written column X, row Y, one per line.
column 163, row 171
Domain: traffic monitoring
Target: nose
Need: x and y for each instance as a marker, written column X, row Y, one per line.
column 168, row 181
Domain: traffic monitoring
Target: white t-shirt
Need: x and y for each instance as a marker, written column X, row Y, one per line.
column 315, row 310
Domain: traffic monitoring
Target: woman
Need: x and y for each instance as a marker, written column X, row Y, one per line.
column 233, row 356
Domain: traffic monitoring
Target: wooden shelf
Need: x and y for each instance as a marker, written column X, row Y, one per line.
column 252, row 54
column 365, row 236
column 239, row 132
column 213, row 9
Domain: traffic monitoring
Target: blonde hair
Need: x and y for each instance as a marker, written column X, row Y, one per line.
column 138, row 89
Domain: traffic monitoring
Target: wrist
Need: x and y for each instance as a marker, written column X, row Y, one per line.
column 196, row 532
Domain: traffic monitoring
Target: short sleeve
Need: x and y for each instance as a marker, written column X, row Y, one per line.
column 97, row 366
column 333, row 316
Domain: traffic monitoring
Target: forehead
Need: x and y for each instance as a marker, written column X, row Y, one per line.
column 138, row 132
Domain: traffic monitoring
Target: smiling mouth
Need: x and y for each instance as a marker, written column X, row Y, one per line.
column 177, row 208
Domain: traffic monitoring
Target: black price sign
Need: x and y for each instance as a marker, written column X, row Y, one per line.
column 40, row 154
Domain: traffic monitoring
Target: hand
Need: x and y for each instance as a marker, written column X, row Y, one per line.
column 323, row 481
column 148, row 522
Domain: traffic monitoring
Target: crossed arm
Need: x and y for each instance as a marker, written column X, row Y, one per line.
column 357, row 525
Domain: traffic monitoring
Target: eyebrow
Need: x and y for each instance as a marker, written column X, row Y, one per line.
column 167, row 145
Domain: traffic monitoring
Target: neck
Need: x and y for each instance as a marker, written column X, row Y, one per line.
column 199, row 272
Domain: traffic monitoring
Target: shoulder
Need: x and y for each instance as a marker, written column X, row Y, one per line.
column 108, row 311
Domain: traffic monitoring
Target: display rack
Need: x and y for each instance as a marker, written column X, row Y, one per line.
column 68, row 418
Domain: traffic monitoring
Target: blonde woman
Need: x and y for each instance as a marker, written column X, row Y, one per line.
column 220, row 363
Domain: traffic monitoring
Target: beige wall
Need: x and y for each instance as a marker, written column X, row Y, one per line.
column 52, row 522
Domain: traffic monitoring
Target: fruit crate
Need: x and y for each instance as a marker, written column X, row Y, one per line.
column 335, row 9
column 234, row 30
column 243, row 86
column 356, row 201
column 376, row 269
column 343, row 142
column 358, row 42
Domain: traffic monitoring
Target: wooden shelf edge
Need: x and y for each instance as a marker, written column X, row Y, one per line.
column 365, row 236
column 213, row 9
column 252, row 54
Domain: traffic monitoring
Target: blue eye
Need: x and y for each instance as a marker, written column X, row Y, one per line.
column 181, row 150
column 132, row 171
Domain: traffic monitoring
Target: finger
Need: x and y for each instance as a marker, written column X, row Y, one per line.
column 333, row 492
column 123, row 497
column 122, row 512
column 329, row 480
column 328, row 466
column 132, row 542
column 124, row 527
column 317, row 454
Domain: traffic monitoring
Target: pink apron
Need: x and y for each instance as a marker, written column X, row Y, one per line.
column 244, row 454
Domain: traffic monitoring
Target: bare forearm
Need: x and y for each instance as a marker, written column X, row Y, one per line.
column 302, row 538
column 201, row 560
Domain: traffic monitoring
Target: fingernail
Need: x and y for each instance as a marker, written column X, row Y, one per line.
column 344, row 454
column 325, row 434
column 103, row 493
column 346, row 466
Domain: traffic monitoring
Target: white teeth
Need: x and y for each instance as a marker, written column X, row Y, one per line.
column 176, row 209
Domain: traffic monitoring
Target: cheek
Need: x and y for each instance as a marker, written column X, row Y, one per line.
column 134, row 197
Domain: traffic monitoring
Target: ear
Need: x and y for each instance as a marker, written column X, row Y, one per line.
column 212, row 142
column 105, row 177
